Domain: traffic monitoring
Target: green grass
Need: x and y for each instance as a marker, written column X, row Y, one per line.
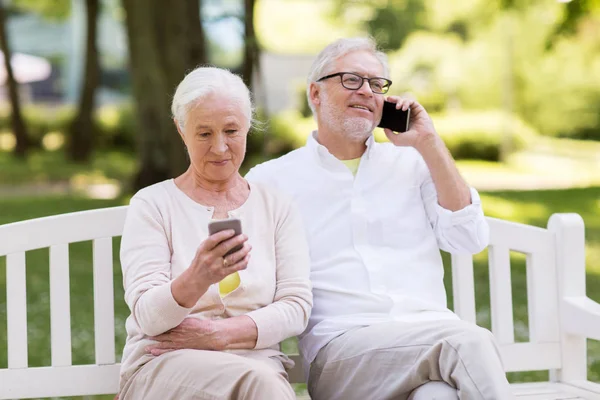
column 532, row 207
column 45, row 167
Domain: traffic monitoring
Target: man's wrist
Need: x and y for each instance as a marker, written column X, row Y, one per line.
column 431, row 147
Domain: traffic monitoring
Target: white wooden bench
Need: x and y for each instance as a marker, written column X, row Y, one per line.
column 561, row 317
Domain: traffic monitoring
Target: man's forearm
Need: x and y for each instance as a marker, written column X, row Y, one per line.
column 453, row 192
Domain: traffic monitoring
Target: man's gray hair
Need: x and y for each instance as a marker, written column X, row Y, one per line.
column 322, row 64
column 204, row 81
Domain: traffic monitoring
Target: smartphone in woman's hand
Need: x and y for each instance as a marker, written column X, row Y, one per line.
column 219, row 225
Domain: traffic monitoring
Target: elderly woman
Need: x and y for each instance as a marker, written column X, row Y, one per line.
column 206, row 324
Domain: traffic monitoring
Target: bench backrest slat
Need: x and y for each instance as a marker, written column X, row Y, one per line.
column 60, row 306
column 104, row 315
column 16, row 310
column 542, row 296
column 463, row 286
column 501, row 306
column 74, row 227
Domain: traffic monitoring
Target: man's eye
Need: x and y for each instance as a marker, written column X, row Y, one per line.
column 231, row 131
column 204, row 135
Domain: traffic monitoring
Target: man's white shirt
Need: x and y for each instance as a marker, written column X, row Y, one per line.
column 374, row 238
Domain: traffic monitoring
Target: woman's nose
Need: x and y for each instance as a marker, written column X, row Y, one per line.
column 219, row 145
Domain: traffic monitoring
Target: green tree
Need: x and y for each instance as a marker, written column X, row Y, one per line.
column 18, row 125
column 575, row 12
column 82, row 130
column 390, row 22
column 503, row 62
column 251, row 46
column 58, row 10
column 166, row 40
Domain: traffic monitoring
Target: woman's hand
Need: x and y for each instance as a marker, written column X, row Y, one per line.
column 210, row 265
column 192, row 333
column 225, row 334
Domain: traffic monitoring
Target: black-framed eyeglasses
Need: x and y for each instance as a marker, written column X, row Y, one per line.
column 354, row 82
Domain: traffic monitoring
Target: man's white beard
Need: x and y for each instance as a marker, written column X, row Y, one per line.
column 357, row 128
column 354, row 128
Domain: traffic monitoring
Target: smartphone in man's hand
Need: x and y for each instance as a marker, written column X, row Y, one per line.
column 219, row 225
column 396, row 120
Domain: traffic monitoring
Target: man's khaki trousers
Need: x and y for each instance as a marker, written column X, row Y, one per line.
column 390, row 360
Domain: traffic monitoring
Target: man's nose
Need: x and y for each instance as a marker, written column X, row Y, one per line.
column 365, row 88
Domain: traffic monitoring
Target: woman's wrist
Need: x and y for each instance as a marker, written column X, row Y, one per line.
column 236, row 333
column 186, row 289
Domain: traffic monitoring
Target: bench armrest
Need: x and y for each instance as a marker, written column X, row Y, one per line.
column 580, row 316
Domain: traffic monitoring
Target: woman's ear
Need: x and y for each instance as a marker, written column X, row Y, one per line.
column 179, row 130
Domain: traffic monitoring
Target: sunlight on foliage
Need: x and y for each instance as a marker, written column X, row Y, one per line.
column 53, row 141
column 7, row 141
column 506, row 209
column 297, row 27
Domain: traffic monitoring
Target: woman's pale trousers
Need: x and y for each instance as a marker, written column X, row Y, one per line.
column 209, row 375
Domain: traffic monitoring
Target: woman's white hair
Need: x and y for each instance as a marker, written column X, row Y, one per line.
column 322, row 64
column 204, row 81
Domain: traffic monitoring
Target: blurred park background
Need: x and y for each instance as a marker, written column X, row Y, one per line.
column 513, row 87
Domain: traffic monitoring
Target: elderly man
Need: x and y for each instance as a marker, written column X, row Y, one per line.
column 376, row 217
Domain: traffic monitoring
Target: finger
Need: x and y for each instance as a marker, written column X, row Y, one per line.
column 224, row 247
column 393, row 99
column 391, row 135
column 401, row 139
column 238, row 255
column 238, row 266
column 407, row 103
column 152, row 349
column 215, row 239
column 158, row 352
column 416, row 108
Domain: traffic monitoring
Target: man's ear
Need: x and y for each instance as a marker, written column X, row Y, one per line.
column 315, row 94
